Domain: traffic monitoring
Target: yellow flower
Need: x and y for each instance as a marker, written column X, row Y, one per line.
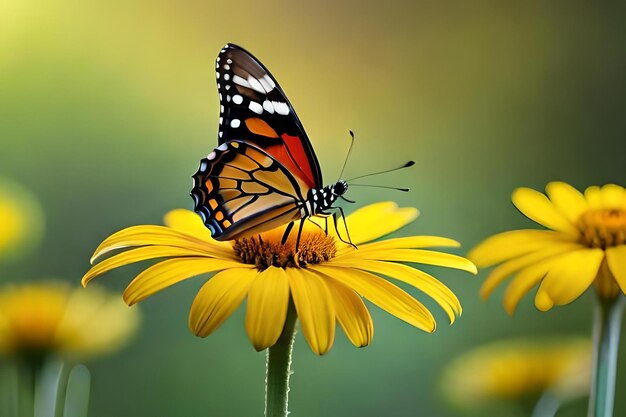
column 51, row 317
column 518, row 370
column 325, row 279
column 21, row 220
column 585, row 246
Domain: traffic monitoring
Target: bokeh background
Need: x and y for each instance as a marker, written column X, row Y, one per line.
column 107, row 107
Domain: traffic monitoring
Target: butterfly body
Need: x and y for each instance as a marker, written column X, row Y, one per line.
column 264, row 172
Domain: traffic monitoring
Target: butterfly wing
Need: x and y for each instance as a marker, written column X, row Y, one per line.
column 241, row 190
column 255, row 110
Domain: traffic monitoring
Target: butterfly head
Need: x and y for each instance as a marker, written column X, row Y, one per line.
column 340, row 188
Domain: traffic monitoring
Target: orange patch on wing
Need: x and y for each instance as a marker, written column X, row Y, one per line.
column 260, row 127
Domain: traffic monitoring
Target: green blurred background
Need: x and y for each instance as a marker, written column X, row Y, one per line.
column 106, row 109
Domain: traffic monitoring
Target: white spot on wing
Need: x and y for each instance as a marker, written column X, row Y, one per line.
column 255, row 107
column 267, row 83
column 255, row 85
column 226, row 77
column 281, row 108
column 221, row 109
column 212, row 155
column 267, row 105
column 235, row 123
column 269, row 80
column 226, row 67
column 217, row 75
column 237, row 99
column 222, row 147
column 229, row 61
column 238, row 80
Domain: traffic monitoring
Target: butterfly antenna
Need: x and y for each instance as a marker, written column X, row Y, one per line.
column 408, row 164
column 345, row 162
column 381, row 186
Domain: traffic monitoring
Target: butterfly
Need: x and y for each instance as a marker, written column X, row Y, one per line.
column 264, row 172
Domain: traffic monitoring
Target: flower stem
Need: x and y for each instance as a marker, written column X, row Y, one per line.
column 27, row 374
column 279, row 369
column 606, row 332
column 547, row 405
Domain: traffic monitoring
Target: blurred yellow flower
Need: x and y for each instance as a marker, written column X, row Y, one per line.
column 519, row 370
column 21, row 220
column 325, row 279
column 585, row 246
column 53, row 318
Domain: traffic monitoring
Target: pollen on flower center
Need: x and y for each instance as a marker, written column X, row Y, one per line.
column 603, row 228
column 264, row 251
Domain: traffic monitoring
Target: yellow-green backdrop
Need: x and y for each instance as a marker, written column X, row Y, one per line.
column 106, row 107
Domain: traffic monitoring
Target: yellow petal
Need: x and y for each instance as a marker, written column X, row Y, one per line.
column 171, row 271
column 593, row 197
column 567, row 200
column 415, row 255
column 524, row 281
column 352, row 314
column 315, row 307
column 137, row 255
column 268, row 300
column 500, row 273
column 538, row 208
column 219, row 298
column 543, row 301
column 405, row 243
column 157, row 235
column 424, row 282
column 507, row 245
column 376, row 220
column 616, row 258
column 571, row 275
column 384, row 294
column 612, row 196
column 190, row 223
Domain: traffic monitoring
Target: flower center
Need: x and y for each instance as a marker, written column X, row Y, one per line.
column 314, row 248
column 603, row 228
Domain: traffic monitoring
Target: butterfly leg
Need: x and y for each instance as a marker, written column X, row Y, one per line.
column 317, row 225
column 286, row 234
column 299, row 235
column 349, row 241
column 345, row 223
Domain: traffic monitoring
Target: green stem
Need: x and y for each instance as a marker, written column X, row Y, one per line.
column 27, row 373
column 279, row 369
column 547, row 405
column 606, row 331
